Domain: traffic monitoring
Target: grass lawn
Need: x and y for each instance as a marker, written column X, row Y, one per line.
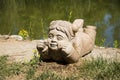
column 96, row 69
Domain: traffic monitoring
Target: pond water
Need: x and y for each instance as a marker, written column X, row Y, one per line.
column 35, row 16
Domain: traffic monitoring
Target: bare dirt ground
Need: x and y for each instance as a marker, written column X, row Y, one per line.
column 19, row 51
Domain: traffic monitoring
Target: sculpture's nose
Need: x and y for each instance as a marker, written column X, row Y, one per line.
column 54, row 39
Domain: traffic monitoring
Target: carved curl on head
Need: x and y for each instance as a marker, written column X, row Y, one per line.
column 63, row 26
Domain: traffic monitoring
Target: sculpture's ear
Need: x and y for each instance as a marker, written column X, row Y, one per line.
column 77, row 24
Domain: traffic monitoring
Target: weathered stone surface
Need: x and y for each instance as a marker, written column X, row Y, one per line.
column 67, row 42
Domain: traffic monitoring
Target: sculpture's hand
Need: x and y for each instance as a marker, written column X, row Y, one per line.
column 41, row 46
column 66, row 47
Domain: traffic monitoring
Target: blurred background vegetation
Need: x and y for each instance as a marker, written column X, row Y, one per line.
column 34, row 16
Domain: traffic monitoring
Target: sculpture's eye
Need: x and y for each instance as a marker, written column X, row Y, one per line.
column 59, row 37
column 50, row 36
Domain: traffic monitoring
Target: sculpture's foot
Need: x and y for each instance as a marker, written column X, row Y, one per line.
column 91, row 27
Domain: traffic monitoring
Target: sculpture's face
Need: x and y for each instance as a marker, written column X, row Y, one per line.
column 55, row 39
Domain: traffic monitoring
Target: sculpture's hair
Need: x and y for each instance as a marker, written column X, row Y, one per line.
column 63, row 26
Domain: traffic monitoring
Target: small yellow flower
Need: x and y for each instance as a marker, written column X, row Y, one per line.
column 23, row 33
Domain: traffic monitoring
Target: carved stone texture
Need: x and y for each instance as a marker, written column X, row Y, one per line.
column 67, row 42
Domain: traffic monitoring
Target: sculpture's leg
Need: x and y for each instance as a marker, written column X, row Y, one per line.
column 77, row 25
column 91, row 31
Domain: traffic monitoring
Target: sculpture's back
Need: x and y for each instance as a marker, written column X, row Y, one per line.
column 84, row 40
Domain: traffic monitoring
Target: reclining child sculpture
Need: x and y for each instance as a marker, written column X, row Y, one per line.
column 67, row 42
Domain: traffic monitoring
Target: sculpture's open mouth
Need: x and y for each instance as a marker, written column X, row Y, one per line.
column 53, row 44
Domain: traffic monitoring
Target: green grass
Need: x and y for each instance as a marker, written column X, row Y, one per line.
column 7, row 69
column 100, row 69
column 116, row 43
column 96, row 69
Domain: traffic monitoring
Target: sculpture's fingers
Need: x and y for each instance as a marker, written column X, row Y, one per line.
column 40, row 44
column 45, row 49
column 40, row 47
column 60, row 44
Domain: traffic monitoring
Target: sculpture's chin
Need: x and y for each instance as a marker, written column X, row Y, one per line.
column 54, row 48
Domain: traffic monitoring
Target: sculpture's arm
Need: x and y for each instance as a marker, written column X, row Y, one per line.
column 43, row 49
column 73, row 56
column 41, row 46
column 69, row 53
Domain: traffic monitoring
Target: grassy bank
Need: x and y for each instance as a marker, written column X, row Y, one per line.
column 99, row 69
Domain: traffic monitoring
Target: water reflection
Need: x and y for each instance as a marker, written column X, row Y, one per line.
column 109, row 40
column 107, row 18
column 108, row 33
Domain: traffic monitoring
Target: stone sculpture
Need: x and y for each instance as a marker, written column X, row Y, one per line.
column 67, row 42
